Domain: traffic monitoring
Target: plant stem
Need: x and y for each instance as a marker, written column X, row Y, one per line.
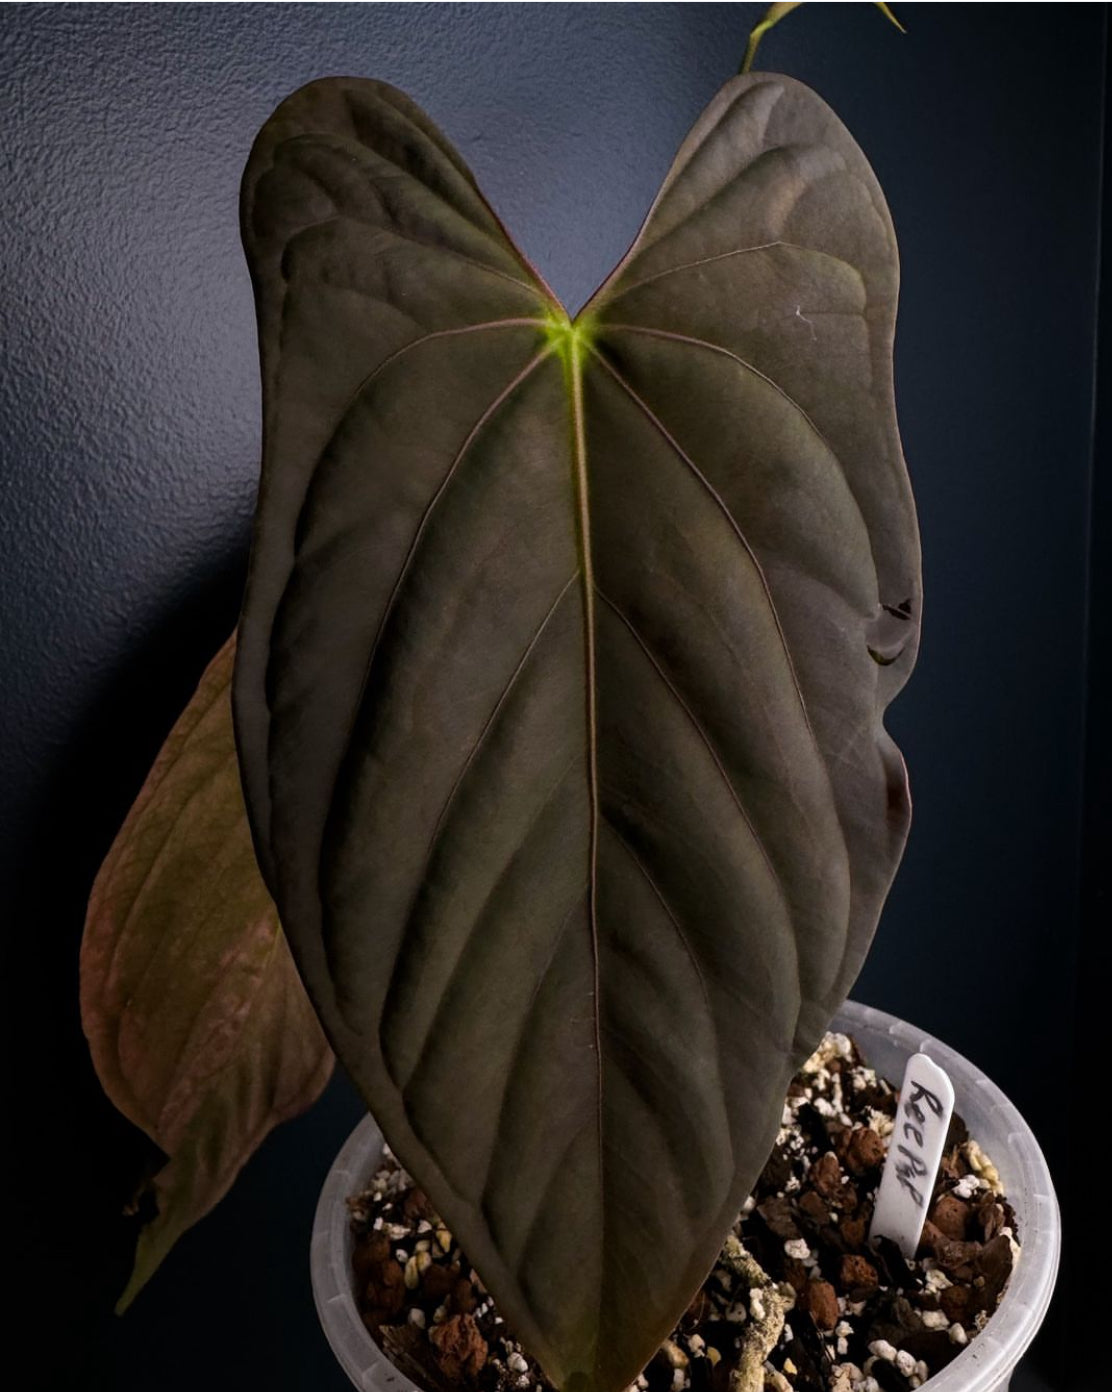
column 774, row 14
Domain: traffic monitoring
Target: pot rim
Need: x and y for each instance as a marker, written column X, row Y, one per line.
column 985, row 1365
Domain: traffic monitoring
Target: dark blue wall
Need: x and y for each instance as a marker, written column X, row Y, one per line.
column 129, row 410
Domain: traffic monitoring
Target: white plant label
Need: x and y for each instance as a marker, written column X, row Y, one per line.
column 914, row 1154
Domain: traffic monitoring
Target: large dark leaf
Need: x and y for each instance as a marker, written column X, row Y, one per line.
column 200, row 1030
column 563, row 667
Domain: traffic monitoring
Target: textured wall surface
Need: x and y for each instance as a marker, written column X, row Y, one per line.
column 129, row 410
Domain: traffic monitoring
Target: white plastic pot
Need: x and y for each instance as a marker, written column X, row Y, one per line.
column 986, row 1365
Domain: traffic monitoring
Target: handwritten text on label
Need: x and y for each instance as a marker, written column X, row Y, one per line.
column 914, row 1153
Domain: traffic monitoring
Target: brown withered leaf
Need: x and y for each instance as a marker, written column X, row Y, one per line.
column 199, row 1027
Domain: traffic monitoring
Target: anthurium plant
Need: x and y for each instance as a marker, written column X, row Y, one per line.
column 559, row 701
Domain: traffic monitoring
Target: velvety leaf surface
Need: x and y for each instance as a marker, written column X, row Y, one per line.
column 200, row 1029
column 563, row 667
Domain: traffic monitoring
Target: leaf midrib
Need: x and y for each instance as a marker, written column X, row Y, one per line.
column 587, row 575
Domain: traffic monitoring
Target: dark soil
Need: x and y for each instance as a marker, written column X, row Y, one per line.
column 799, row 1300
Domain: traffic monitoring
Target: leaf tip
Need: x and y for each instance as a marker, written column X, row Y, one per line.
column 887, row 13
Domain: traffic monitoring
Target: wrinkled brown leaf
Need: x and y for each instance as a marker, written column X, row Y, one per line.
column 199, row 1027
